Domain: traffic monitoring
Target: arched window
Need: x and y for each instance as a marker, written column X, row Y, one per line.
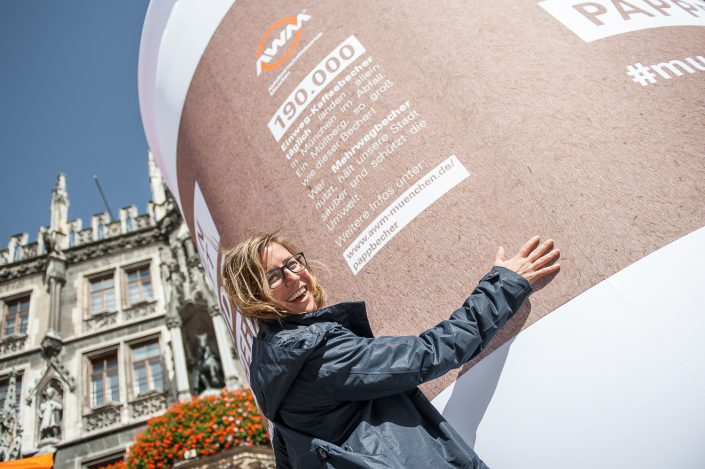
column 128, row 223
column 72, row 238
column 17, row 255
column 101, row 231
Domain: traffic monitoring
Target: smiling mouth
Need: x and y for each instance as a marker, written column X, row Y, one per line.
column 298, row 295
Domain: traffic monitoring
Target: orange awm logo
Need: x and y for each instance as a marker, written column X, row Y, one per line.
column 290, row 33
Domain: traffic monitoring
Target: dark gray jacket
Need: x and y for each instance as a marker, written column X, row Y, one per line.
column 338, row 397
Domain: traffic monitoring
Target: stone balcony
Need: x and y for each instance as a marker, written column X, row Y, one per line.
column 12, row 344
column 139, row 310
column 148, row 404
column 102, row 417
column 100, row 321
column 106, row 319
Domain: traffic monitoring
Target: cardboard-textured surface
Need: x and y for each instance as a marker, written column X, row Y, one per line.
column 557, row 138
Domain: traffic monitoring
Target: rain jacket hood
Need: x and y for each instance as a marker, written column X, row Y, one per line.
column 296, row 339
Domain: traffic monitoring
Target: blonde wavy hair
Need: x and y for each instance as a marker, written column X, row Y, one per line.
column 245, row 279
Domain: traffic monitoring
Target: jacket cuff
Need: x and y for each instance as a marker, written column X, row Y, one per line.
column 518, row 285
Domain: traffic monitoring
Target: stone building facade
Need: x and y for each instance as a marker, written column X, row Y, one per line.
column 101, row 328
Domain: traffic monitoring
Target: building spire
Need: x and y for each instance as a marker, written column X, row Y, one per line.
column 156, row 184
column 155, row 181
column 10, row 427
column 59, row 206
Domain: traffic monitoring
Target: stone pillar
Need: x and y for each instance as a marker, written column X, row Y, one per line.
column 230, row 371
column 55, row 278
column 183, row 390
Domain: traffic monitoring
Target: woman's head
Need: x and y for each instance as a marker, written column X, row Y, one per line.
column 267, row 279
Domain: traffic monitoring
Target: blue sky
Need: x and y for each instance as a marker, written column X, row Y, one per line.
column 68, row 102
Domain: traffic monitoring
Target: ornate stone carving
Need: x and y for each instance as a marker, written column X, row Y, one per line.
column 51, row 344
column 102, row 418
column 84, row 247
column 10, row 426
column 213, row 310
column 22, row 268
column 30, row 250
column 51, row 411
column 100, row 321
column 12, row 344
column 56, row 270
column 84, row 236
column 147, row 405
column 142, row 221
column 51, row 241
column 54, row 371
column 170, row 221
column 110, row 245
column 113, row 229
column 207, row 373
column 198, row 280
column 173, row 321
column 63, row 373
column 139, row 311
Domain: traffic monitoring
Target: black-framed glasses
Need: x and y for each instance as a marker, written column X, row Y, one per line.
column 295, row 264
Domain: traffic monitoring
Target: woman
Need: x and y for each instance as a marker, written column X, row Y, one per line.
column 337, row 396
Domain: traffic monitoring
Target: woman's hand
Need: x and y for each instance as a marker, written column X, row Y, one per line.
column 532, row 262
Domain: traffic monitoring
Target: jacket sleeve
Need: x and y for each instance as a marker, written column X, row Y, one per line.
column 354, row 368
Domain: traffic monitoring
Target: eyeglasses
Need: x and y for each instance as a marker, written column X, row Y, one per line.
column 295, row 264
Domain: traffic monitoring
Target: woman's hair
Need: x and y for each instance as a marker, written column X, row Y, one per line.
column 245, row 279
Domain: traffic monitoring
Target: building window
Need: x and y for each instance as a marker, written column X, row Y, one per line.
column 139, row 285
column 102, row 292
column 72, row 238
column 16, row 316
column 17, row 255
column 105, row 386
column 147, row 367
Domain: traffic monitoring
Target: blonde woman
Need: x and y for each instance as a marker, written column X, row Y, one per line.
column 337, row 396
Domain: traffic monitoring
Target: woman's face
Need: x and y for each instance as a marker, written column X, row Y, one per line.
column 294, row 293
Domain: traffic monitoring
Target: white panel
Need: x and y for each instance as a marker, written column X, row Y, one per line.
column 154, row 23
column 667, row 291
column 185, row 37
column 592, row 385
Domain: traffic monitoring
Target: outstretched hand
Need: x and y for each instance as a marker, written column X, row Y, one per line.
column 533, row 261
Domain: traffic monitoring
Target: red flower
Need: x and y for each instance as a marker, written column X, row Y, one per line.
column 205, row 426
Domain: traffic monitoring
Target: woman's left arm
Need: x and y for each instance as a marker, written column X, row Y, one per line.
column 356, row 368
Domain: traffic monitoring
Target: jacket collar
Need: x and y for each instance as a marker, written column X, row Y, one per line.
column 351, row 314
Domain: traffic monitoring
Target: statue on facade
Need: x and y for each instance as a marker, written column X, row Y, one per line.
column 177, row 282
column 198, row 280
column 208, row 373
column 50, row 413
column 165, row 274
column 51, row 243
column 172, row 279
